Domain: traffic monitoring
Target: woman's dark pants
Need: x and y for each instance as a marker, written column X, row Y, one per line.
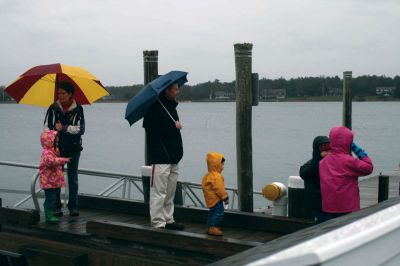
column 72, row 173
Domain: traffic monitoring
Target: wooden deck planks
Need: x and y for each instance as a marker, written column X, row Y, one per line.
column 77, row 225
column 181, row 240
column 134, row 216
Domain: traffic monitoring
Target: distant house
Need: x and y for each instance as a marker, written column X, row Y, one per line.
column 222, row 95
column 385, row 91
column 266, row 93
column 335, row 91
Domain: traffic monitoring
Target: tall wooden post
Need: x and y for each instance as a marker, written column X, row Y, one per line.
column 150, row 66
column 243, row 56
column 255, row 91
column 347, row 99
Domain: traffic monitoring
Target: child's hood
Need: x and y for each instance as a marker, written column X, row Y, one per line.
column 316, row 143
column 340, row 139
column 47, row 138
column 214, row 161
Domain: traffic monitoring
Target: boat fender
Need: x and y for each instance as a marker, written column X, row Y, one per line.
column 274, row 191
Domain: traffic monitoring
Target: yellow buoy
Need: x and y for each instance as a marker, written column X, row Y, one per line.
column 274, row 191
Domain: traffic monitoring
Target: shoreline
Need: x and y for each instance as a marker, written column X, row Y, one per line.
column 292, row 99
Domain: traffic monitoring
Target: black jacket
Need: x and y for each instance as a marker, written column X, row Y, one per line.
column 164, row 140
column 69, row 137
column 309, row 172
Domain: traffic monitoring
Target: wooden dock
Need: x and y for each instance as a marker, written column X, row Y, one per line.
column 111, row 231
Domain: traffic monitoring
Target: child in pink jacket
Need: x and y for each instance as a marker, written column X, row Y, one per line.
column 51, row 173
column 339, row 172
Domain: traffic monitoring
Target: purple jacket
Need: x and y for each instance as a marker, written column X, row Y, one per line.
column 339, row 172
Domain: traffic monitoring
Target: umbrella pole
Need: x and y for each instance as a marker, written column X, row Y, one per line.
column 166, row 110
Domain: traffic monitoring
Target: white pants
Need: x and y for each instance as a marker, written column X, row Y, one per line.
column 162, row 192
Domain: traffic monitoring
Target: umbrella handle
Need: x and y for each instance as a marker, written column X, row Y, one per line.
column 166, row 110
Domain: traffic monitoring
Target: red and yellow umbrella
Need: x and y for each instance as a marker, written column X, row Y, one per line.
column 37, row 85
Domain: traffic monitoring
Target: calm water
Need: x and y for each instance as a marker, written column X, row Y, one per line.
column 282, row 138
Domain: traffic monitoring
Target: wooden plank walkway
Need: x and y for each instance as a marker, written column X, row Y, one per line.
column 77, row 225
column 119, row 232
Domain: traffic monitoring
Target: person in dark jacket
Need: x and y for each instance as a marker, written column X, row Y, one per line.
column 165, row 150
column 66, row 117
column 309, row 172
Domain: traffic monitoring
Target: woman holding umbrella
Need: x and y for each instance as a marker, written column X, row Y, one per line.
column 66, row 117
column 70, row 86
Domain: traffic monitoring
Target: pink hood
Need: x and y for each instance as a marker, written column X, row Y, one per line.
column 47, row 139
column 341, row 139
column 339, row 172
column 50, row 168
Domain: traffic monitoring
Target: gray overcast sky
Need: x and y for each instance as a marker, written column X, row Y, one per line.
column 290, row 38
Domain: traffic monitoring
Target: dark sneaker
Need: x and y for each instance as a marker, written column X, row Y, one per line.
column 175, row 226
column 73, row 213
column 58, row 213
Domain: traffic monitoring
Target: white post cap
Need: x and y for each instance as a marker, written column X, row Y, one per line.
column 295, row 182
column 146, row 170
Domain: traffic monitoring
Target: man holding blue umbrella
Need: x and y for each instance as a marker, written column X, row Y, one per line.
column 165, row 150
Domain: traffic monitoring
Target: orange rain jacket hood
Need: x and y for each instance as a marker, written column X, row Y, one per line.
column 213, row 182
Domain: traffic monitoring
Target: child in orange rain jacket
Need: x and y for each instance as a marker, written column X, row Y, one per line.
column 214, row 192
column 51, row 173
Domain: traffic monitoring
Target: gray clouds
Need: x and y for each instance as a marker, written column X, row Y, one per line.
column 291, row 38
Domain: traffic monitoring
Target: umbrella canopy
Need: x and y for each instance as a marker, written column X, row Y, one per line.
column 141, row 102
column 37, row 86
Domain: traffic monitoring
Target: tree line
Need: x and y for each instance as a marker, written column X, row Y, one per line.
column 361, row 86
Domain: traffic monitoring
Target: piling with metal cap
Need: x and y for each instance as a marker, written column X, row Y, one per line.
column 150, row 65
column 347, row 98
column 243, row 61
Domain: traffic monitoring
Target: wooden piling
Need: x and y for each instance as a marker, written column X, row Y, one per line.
column 243, row 56
column 150, row 67
column 255, row 91
column 347, row 97
column 383, row 188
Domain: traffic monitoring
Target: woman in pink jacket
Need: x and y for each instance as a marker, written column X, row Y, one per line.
column 339, row 172
column 51, row 173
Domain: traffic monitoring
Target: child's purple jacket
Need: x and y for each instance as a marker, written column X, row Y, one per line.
column 339, row 172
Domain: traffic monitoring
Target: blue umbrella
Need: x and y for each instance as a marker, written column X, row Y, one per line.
column 141, row 102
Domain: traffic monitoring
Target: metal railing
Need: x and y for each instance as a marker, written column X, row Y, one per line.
column 124, row 181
